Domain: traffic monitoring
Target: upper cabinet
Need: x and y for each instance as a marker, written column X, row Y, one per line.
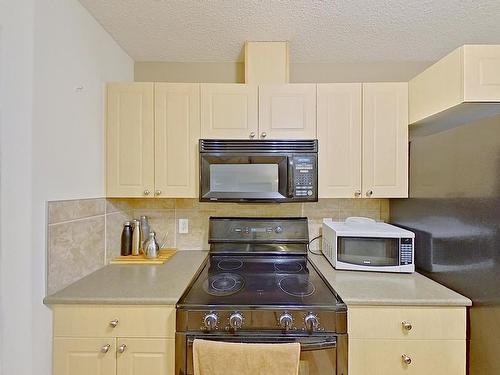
column 229, row 111
column 385, row 140
column 339, row 134
column 461, row 87
column 240, row 111
column 152, row 138
column 177, row 130
column 363, row 140
column 287, row 111
column 130, row 140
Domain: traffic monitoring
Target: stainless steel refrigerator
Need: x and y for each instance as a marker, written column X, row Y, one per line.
column 454, row 209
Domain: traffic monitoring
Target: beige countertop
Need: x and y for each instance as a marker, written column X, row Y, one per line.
column 376, row 288
column 134, row 284
column 164, row 285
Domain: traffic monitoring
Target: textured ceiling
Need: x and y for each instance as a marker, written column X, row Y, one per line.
column 339, row 31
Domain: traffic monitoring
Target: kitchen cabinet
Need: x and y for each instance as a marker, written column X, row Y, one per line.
column 229, row 111
column 245, row 111
column 385, row 140
column 406, row 340
column 109, row 340
column 177, row 130
column 130, row 139
column 152, row 135
column 339, row 135
column 461, row 87
column 363, row 140
column 287, row 111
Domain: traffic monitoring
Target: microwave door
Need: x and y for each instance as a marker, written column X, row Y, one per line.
column 367, row 251
column 243, row 177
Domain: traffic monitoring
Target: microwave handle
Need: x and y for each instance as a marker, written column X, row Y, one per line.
column 291, row 185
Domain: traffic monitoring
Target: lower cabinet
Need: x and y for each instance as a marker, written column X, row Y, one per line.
column 135, row 340
column 407, row 340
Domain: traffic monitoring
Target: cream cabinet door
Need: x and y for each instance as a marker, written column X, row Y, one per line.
column 177, row 130
column 385, row 140
column 145, row 356
column 481, row 65
column 130, row 140
column 229, row 111
column 287, row 111
column 339, row 138
column 84, row 356
column 425, row 357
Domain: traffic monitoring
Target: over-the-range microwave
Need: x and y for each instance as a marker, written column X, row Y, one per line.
column 362, row 244
column 235, row 170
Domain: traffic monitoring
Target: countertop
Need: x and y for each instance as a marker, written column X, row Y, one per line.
column 134, row 284
column 164, row 285
column 376, row 288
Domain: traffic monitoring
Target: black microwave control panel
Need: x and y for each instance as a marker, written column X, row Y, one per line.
column 305, row 177
column 406, row 251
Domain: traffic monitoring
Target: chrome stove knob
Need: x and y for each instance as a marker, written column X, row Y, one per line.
column 210, row 321
column 311, row 322
column 286, row 321
column 236, row 320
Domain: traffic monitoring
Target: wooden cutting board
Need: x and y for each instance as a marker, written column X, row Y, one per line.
column 165, row 254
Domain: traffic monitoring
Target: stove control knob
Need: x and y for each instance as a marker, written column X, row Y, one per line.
column 236, row 320
column 286, row 321
column 311, row 322
column 278, row 229
column 210, row 321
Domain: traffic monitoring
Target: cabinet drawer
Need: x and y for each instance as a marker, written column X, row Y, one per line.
column 96, row 321
column 441, row 323
column 384, row 357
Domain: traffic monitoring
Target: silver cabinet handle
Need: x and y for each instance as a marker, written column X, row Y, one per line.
column 122, row 348
column 263, row 135
column 406, row 325
column 113, row 323
column 357, row 193
column 406, row 359
column 158, row 192
column 146, row 192
column 369, row 193
column 105, row 348
column 252, row 135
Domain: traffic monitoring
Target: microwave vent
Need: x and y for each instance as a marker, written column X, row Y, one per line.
column 250, row 146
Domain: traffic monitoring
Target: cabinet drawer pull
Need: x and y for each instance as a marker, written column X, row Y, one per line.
column 105, row 348
column 369, row 193
column 113, row 323
column 406, row 359
column 122, row 348
column 406, row 325
column 146, row 192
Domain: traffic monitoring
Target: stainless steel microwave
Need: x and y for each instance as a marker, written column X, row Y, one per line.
column 258, row 170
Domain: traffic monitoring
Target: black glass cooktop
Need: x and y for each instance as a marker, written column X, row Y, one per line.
column 258, row 281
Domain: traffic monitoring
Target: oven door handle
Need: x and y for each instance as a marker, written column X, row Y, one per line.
column 306, row 344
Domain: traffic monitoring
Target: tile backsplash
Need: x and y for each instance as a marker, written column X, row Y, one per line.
column 83, row 235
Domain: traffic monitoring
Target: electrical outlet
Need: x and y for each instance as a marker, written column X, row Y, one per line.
column 183, row 226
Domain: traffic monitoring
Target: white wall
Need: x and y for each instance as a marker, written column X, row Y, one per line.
column 16, row 63
column 54, row 150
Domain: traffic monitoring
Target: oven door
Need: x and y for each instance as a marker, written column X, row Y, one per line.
column 368, row 251
column 318, row 354
column 244, row 177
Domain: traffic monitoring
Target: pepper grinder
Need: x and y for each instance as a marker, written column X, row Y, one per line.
column 136, row 237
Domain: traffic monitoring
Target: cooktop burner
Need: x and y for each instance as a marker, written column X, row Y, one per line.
column 230, row 264
column 223, row 284
column 297, row 286
column 288, row 267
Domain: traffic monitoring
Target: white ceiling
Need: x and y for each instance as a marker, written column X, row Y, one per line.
column 336, row 31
